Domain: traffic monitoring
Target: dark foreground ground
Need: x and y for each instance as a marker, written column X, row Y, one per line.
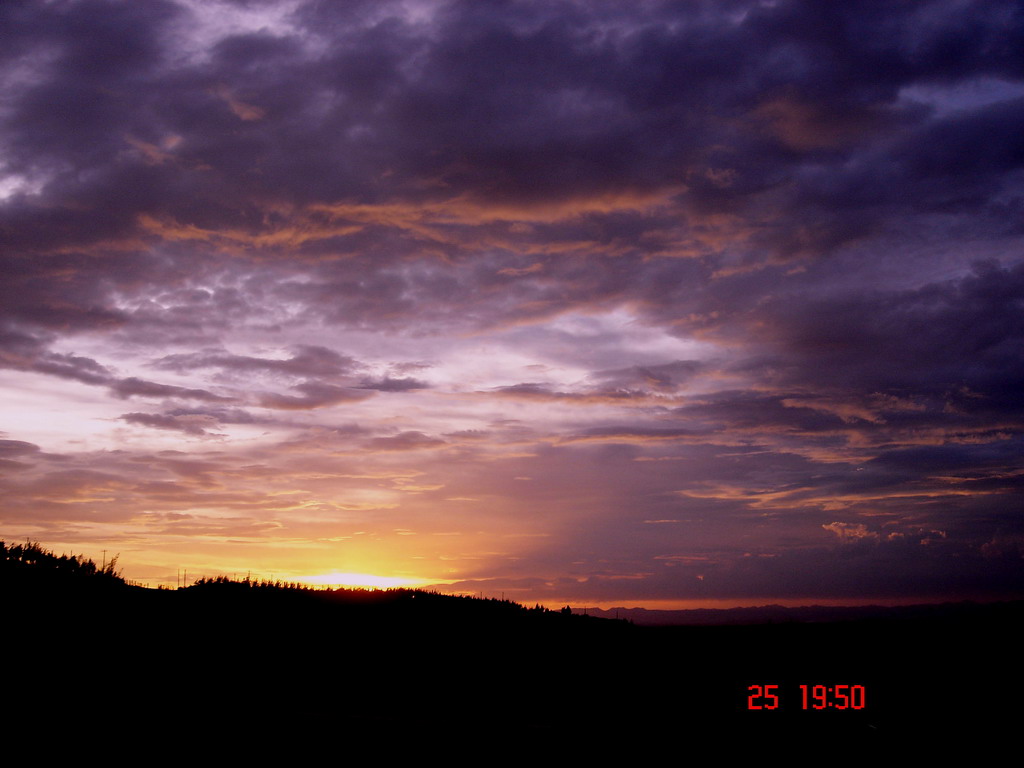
column 226, row 672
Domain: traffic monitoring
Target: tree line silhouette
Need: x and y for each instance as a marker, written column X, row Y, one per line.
column 30, row 568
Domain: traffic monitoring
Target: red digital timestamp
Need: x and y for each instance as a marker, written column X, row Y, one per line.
column 811, row 697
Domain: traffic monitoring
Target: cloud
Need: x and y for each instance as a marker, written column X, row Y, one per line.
column 405, row 441
column 27, row 353
column 189, row 424
column 313, row 395
column 850, row 531
column 305, row 361
column 9, row 448
column 133, row 386
column 668, row 377
column 389, row 384
column 24, row 352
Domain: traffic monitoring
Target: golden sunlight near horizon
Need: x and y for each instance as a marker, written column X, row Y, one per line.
column 364, row 580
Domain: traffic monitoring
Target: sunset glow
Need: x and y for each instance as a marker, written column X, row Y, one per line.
column 664, row 303
column 362, row 580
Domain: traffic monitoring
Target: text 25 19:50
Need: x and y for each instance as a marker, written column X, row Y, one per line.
column 811, row 697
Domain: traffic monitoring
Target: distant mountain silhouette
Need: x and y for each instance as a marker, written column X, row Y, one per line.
column 766, row 614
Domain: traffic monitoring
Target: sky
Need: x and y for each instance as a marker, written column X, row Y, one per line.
column 593, row 303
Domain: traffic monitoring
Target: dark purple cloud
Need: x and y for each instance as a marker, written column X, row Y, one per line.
column 313, row 395
column 405, row 441
column 390, row 384
column 132, row 386
column 186, row 424
column 17, row 448
column 668, row 377
column 305, row 361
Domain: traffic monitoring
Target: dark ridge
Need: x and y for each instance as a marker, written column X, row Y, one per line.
column 255, row 667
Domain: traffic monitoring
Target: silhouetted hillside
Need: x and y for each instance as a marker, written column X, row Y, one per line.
column 36, row 578
column 255, row 664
